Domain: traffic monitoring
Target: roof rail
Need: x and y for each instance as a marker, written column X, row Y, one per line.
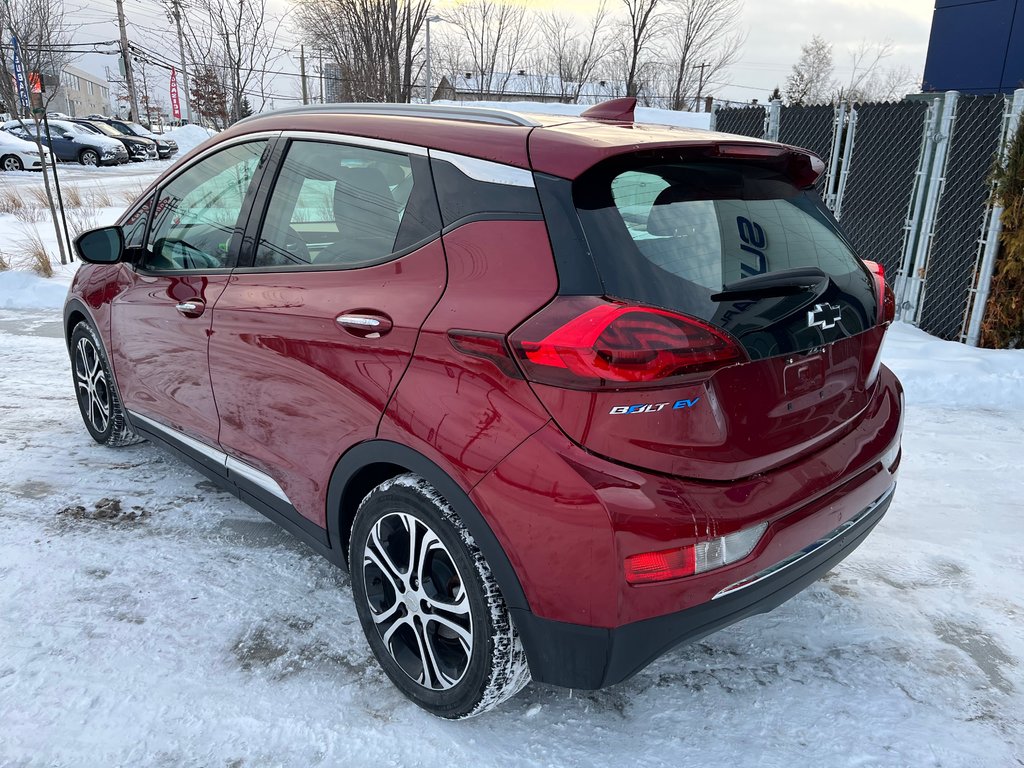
column 434, row 111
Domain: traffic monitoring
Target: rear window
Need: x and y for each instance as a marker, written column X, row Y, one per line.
column 677, row 234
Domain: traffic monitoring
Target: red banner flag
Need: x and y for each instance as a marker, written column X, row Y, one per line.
column 175, row 106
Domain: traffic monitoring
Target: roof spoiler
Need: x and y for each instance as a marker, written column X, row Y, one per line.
column 615, row 110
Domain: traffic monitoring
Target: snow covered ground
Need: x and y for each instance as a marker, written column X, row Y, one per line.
column 147, row 618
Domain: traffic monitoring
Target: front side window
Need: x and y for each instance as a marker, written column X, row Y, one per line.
column 196, row 214
column 343, row 206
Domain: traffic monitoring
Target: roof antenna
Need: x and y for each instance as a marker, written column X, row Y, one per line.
column 614, row 110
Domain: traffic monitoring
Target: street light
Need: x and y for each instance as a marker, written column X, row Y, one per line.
column 430, row 94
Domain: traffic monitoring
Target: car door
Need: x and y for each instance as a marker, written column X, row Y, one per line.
column 161, row 319
column 316, row 328
column 62, row 144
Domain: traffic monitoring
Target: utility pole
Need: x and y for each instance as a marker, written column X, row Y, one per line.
column 302, row 72
column 176, row 5
column 321, row 52
column 700, row 82
column 430, row 93
column 127, row 59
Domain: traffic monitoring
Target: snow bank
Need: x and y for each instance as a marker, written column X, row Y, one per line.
column 189, row 137
column 643, row 114
column 937, row 372
column 26, row 290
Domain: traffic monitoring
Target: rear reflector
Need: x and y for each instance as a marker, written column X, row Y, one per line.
column 667, row 564
column 588, row 343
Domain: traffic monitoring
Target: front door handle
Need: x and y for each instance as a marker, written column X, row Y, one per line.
column 191, row 308
column 365, row 325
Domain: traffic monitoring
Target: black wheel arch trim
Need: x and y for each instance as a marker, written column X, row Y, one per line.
column 385, row 452
column 70, row 307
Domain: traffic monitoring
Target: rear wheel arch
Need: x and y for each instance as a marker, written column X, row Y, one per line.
column 368, row 464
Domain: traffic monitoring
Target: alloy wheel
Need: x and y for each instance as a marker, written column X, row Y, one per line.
column 12, row 163
column 418, row 601
column 90, row 158
column 91, row 382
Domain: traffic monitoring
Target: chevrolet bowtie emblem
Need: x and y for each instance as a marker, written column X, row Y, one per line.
column 824, row 316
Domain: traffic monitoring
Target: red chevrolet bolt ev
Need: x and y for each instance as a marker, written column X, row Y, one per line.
column 561, row 393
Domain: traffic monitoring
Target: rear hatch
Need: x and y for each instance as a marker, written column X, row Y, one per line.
column 737, row 329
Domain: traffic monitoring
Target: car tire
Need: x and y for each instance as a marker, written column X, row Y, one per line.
column 96, row 390
column 89, row 157
column 11, row 163
column 429, row 605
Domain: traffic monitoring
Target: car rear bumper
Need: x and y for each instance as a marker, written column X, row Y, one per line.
column 578, row 656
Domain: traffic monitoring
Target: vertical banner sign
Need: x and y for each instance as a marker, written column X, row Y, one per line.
column 175, row 106
column 19, row 76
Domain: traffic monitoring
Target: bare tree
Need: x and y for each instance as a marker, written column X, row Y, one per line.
column 705, row 41
column 870, row 80
column 238, row 40
column 645, row 21
column 811, row 80
column 42, row 34
column 374, row 42
column 573, row 57
column 496, row 40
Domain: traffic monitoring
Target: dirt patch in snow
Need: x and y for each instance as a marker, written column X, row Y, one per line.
column 107, row 510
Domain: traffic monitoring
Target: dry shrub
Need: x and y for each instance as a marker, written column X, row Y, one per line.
column 5, row 263
column 36, row 254
column 132, row 194
column 99, row 197
column 29, row 214
column 72, row 196
column 80, row 220
column 10, row 200
column 38, row 196
column 1004, row 314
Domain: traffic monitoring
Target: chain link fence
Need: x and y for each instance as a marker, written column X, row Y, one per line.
column 744, row 121
column 812, row 128
column 881, row 176
column 950, row 272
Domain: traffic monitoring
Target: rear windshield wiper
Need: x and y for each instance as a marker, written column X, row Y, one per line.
column 785, row 282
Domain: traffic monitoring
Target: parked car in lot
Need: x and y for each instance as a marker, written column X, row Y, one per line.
column 17, row 154
column 139, row 148
column 72, row 143
column 165, row 147
column 561, row 393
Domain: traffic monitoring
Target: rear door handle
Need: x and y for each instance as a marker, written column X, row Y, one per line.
column 191, row 308
column 365, row 325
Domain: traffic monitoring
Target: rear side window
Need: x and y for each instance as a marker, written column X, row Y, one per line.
column 341, row 206
column 685, row 235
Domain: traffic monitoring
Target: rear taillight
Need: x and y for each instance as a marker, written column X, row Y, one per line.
column 886, row 299
column 587, row 342
column 667, row 564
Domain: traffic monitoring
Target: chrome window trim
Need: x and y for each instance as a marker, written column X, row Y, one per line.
column 486, row 170
column 357, row 141
column 230, row 463
column 807, row 551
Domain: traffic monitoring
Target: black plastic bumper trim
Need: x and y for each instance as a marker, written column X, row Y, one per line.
column 588, row 658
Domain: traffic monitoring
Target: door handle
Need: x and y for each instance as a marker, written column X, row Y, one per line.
column 365, row 325
column 191, row 308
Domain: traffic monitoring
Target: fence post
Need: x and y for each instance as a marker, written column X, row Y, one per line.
column 851, row 130
column 774, row 119
column 833, row 161
column 713, row 122
column 995, row 227
column 915, row 278
column 914, row 214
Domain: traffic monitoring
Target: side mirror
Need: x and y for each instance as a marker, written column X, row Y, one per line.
column 101, row 246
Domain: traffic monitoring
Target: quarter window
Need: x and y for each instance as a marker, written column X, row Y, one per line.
column 343, row 206
column 196, row 215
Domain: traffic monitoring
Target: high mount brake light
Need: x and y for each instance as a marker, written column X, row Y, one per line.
column 886, row 299
column 803, row 168
column 588, row 343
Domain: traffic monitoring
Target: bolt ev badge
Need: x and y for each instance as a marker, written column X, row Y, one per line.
column 620, row 410
column 824, row 316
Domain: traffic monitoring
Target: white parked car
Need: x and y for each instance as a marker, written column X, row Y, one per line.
column 20, row 155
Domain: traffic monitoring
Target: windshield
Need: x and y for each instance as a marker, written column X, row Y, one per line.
column 685, row 235
column 103, row 128
column 137, row 129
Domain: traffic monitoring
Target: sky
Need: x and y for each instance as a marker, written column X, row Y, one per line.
column 775, row 31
